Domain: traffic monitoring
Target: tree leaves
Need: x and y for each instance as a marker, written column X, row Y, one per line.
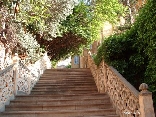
column 49, row 19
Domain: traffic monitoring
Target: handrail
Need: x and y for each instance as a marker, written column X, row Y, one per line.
column 125, row 98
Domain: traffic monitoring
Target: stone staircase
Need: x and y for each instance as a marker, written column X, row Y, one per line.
column 62, row 93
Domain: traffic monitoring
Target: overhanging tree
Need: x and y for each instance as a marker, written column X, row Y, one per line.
column 44, row 18
column 85, row 22
column 36, row 17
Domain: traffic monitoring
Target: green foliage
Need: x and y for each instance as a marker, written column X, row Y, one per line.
column 61, row 47
column 43, row 17
column 81, row 28
column 40, row 15
column 118, row 51
column 87, row 19
column 146, row 30
column 146, row 41
column 28, row 45
column 68, row 66
column 84, row 24
column 133, row 53
column 54, row 63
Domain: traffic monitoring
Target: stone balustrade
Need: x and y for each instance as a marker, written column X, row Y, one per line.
column 28, row 75
column 125, row 98
column 6, row 86
column 19, row 79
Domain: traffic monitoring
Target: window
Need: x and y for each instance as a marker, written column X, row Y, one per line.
column 76, row 60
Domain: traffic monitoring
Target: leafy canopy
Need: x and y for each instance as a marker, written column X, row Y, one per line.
column 88, row 18
column 85, row 23
column 55, row 20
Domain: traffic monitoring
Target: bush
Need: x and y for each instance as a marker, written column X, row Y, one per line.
column 68, row 66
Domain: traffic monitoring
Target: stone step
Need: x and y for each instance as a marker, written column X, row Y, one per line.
column 64, row 89
column 60, row 113
column 55, row 84
column 68, row 73
column 65, row 81
column 60, row 86
column 68, row 70
column 48, row 76
column 61, row 92
column 48, row 99
column 69, row 83
column 65, row 96
column 58, row 102
column 35, row 115
column 42, row 87
column 9, row 115
column 64, row 85
column 100, row 116
column 83, row 79
column 40, row 107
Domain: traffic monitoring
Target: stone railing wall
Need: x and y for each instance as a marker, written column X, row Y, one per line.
column 25, row 79
column 28, row 75
column 19, row 79
column 5, row 59
column 125, row 98
column 6, row 86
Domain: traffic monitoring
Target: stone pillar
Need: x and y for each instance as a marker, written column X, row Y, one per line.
column 2, row 56
column 81, row 61
column 47, row 61
column 104, row 70
column 16, row 59
column 2, row 105
column 88, row 58
column 145, row 102
column 16, row 62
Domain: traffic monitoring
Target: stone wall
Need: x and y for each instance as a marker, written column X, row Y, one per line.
column 126, row 99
